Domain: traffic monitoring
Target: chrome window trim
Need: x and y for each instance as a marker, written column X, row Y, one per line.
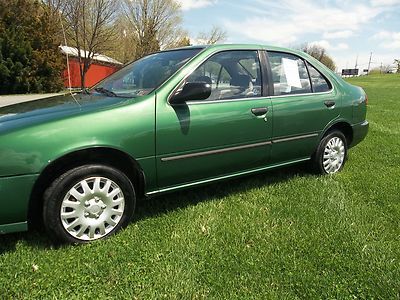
column 256, row 98
column 305, row 94
column 225, row 100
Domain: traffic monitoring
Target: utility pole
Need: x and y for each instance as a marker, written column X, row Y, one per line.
column 381, row 67
column 355, row 67
column 369, row 63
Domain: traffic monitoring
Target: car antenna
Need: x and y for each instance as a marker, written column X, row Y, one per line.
column 68, row 70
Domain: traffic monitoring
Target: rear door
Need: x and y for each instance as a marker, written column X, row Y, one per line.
column 304, row 103
column 227, row 133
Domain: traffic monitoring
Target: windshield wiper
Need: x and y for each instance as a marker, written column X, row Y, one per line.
column 104, row 91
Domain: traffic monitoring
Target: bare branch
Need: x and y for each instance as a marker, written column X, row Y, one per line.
column 216, row 35
column 153, row 24
column 89, row 26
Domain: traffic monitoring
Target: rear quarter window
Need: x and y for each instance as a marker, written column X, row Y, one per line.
column 319, row 83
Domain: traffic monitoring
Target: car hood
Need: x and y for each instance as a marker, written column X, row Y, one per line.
column 55, row 108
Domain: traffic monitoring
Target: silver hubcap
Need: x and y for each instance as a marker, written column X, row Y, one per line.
column 92, row 208
column 334, row 155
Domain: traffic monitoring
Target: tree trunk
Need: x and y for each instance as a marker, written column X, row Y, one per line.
column 83, row 81
column 82, row 73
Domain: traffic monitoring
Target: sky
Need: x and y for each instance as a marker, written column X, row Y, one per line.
column 349, row 30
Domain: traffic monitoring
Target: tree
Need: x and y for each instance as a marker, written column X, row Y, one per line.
column 29, row 56
column 215, row 35
column 55, row 9
column 385, row 68
column 154, row 25
column 397, row 62
column 183, row 42
column 126, row 49
column 319, row 53
column 89, row 25
column 382, row 69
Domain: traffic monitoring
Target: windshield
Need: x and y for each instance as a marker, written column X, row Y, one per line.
column 144, row 75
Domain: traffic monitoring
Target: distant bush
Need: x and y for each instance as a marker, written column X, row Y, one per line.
column 383, row 69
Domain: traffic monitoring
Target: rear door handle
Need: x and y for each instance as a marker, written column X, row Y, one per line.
column 259, row 111
column 329, row 103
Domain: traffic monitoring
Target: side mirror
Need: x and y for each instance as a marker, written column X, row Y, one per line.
column 191, row 91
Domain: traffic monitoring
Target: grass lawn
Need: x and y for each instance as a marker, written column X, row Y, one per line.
column 284, row 234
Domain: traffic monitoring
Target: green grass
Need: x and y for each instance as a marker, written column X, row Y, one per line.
column 284, row 234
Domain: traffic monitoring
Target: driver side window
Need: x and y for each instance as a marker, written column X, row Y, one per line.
column 231, row 74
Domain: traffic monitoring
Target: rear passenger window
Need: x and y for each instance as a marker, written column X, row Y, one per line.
column 318, row 81
column 289, row 74
column 231, row 74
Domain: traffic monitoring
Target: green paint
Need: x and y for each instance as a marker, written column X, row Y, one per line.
column 147, row 128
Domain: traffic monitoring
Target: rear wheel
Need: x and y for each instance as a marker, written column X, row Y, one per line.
column 88, row 203
column 331, row 153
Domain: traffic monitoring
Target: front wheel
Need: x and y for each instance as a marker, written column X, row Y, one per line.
column 331, row 153
column 88, row 203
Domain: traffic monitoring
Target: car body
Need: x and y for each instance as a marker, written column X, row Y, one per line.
column 216, row 112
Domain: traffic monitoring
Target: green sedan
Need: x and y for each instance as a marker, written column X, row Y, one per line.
column 171, row 120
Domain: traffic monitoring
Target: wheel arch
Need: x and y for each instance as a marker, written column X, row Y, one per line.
column 94, row 155
column 342, row 126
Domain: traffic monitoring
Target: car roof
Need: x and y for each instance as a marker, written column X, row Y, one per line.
column 217, row 47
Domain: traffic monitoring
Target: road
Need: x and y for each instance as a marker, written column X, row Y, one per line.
column 13, row 99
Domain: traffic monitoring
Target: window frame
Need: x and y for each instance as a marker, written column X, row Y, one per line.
column 263, row 73
column 306, row 62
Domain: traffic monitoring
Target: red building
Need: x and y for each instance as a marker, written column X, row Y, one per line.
column 101, row 67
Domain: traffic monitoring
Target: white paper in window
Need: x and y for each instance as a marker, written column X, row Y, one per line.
column 283, row 86
column 291, row 70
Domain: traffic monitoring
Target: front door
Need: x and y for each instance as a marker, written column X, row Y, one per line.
column 227, row 133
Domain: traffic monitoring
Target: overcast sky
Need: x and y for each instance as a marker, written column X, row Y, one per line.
column 347, row 29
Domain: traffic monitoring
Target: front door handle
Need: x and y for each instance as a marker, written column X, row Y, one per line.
column 330, row 103
column 259, row 111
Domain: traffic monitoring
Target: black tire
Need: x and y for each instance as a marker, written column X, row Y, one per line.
column 95, row 208
column 323, row 149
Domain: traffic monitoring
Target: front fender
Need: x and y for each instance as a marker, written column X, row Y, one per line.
column 128, row 128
